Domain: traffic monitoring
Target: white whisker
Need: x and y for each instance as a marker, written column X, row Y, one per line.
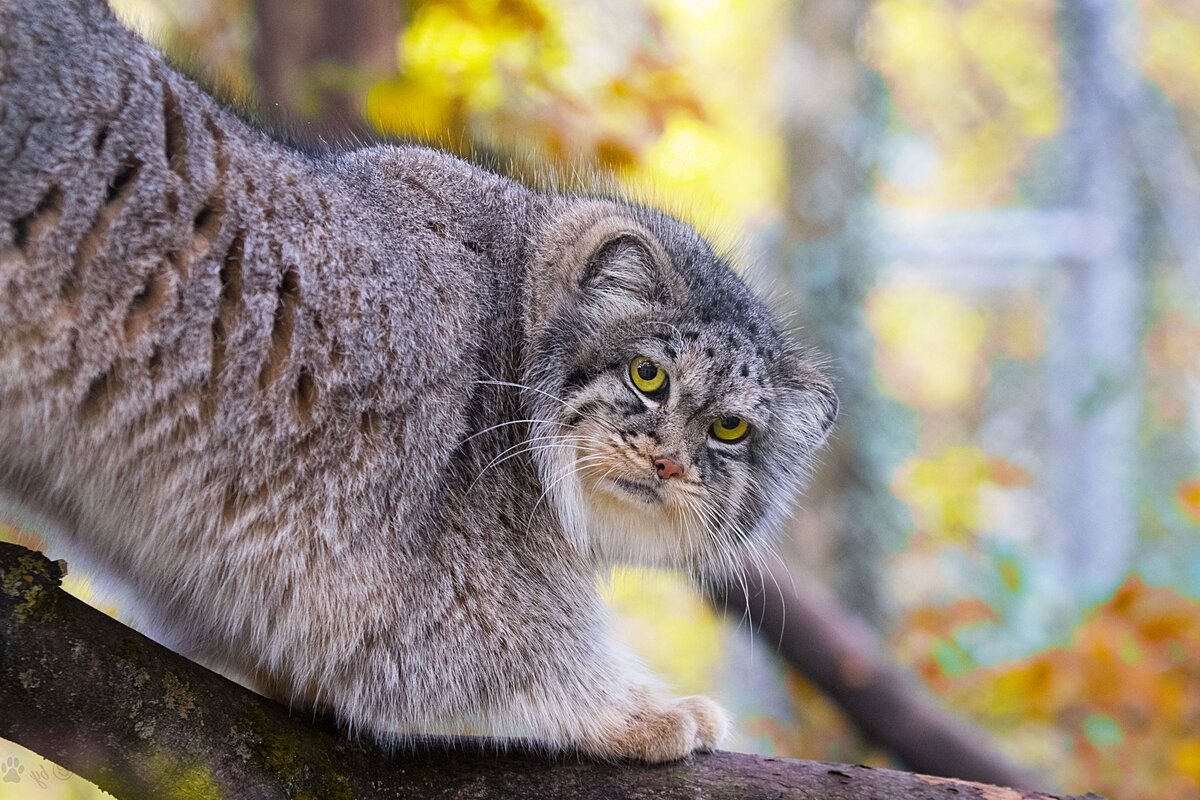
column 527, row 446
column 510, row 422
column 579, row 465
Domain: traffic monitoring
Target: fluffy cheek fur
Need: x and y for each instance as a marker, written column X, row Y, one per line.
column 680, row 523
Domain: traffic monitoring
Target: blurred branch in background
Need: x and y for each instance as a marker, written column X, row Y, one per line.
column 314, row 60
column 842, row 655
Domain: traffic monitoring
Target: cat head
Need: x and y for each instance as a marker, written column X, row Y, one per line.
column 687, row 420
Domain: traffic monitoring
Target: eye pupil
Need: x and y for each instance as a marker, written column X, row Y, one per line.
column 647, row 370
column 730, row 422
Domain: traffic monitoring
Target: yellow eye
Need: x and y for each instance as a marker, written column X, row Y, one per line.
column 730, row 429
column 647, row 376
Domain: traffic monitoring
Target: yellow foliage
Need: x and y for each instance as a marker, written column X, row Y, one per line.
column 1189, row 499
column 944, row 491
column 405, row 105
column 1185, row 757
column 1170, row 48
column 1008, row 40
column 930, row 342
column 509, row 74
column 979, row 79
column 664, row 620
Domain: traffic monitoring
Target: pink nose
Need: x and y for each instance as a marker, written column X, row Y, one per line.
column 666, row 468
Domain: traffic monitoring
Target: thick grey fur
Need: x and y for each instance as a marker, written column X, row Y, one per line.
column 255, row 385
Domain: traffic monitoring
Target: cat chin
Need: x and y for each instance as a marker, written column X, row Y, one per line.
column 628, row 527
column 616, row 524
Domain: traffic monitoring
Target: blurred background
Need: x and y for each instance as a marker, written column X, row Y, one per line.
column 986, row 211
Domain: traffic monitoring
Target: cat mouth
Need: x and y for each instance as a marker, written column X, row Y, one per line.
column 644, row 490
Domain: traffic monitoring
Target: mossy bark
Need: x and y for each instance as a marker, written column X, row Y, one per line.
column 142, row 722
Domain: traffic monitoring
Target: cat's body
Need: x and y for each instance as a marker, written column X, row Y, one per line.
column 257, row 385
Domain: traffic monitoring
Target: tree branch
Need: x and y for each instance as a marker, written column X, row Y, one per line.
column 142, row 722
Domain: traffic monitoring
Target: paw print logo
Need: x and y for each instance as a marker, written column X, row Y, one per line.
column 11, row 769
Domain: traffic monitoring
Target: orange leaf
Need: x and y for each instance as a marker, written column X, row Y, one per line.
column 1188, row 495
column 1005, row 473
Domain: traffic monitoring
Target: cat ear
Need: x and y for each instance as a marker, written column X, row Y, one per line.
column 820, row 407
column 622, row 274
column 828, row 405
column 598, row 263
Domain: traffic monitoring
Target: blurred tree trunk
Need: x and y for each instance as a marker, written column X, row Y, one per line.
column 828, row 267
column 1094, row 349
column 314, row 59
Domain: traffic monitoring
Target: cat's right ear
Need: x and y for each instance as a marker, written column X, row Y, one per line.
column 597, row 263
column 623, row 274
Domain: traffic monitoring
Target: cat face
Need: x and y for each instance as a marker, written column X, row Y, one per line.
column 683, row 421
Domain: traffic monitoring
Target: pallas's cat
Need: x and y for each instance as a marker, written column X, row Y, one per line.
column 362, row 426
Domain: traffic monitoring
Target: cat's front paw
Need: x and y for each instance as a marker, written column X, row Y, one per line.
column 667, row 732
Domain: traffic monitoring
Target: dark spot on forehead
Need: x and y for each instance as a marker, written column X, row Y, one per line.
column 708, row 352
column 745, row 371
column 691, row 336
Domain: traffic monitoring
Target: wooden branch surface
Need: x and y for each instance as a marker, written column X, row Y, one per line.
column 142, row 722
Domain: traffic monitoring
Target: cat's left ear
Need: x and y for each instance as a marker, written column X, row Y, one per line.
column 818, row 408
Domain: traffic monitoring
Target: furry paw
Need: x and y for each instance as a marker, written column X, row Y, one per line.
column 667, row 732
column 712, row 721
